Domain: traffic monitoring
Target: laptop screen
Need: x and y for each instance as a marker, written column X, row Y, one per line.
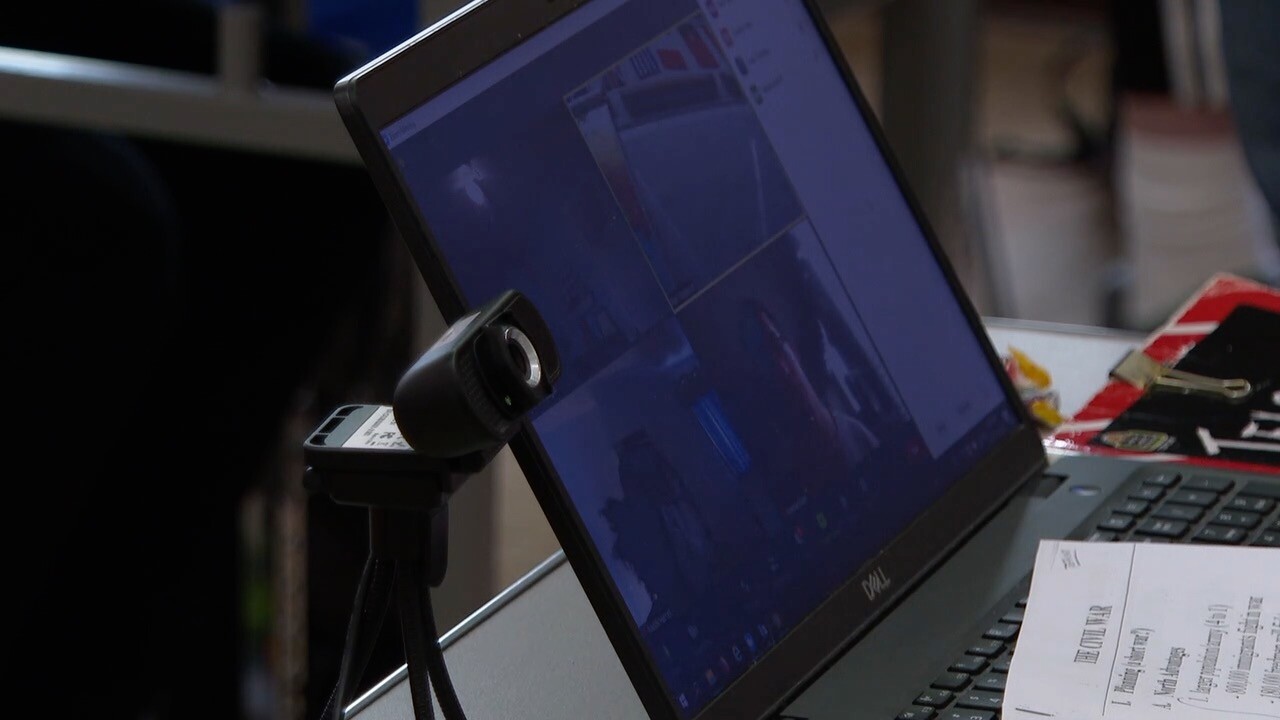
column 766, row 375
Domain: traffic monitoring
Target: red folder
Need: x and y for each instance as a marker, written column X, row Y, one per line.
column 1195, row 320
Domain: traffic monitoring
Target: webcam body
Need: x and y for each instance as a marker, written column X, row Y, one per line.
column 469, row 392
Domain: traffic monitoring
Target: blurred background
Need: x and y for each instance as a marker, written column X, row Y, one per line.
column 204, row 270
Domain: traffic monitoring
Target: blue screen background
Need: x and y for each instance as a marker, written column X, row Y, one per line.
column 766, row 376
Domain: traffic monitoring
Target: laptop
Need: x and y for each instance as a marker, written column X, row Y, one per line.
column 783, row 459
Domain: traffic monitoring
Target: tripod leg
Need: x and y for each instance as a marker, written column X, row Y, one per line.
column 450, row 708
column 368, row 611
column 417, row 541
column 415, row 640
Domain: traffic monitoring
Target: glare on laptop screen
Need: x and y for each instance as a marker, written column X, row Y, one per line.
column 766, row 376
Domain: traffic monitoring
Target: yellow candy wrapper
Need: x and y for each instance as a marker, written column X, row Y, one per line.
column 1035, row 386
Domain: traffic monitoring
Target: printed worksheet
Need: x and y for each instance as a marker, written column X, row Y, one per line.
column 1139, row 631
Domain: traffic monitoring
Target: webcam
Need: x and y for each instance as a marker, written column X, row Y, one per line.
column 470, row 391
column 453, row 410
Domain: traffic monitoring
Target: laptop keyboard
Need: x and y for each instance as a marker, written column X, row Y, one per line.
column 1181, row 507
column 1155, row 506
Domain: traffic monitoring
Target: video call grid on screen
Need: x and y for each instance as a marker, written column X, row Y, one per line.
column 723, row 403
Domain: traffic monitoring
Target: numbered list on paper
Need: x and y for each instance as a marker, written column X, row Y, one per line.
column 1144, row 631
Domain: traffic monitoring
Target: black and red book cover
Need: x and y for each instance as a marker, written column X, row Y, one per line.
column 1229, row 329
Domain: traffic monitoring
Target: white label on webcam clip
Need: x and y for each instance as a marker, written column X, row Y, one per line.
column 379, row 432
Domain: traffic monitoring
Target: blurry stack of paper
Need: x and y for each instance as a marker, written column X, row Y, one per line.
column 1135, row 631
column 1188, row 206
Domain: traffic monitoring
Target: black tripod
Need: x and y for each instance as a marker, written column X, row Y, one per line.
column 406, row 559
column 408, row 554
column 460, row 403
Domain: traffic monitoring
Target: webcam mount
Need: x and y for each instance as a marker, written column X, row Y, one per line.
column 454, row 409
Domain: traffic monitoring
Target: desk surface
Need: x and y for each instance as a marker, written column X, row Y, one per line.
column 1078, row 357
column 542, row 630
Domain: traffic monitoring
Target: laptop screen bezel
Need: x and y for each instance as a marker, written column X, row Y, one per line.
column 411, row 74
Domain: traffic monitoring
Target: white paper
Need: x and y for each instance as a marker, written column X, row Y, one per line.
column 1139, row 631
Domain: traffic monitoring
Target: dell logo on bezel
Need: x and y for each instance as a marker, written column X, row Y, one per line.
column 875, row 584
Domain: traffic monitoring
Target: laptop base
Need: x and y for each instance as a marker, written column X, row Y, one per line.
column 538, row 650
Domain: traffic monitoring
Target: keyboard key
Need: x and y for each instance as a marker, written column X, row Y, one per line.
column 971, row 664
column 1022, row 602
column 1116, row 523
column 1270, row 538
column 951, row 681
column 1221, row 535
column 967, row 715
column 1001, row 666
column 1163, row 528
column 1199, row 498
column 993, row 682
column 934, row 698
column 1251, row 504
column 978, row 700
column 918, row 712
column 1101, row 536
column 1014, row 616
column 1149, row 493
column 1001, row 631
column 1259, row 488
column 1212, row 484
column 1163, row 480
column 1236, row 518
column 1190, row 513
column 986, row 648
column 1276, row 525
column 1132, row 507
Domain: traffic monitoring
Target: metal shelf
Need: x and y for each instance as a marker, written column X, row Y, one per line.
column 80, row 92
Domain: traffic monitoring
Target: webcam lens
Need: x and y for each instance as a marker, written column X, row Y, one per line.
column 523, row 356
